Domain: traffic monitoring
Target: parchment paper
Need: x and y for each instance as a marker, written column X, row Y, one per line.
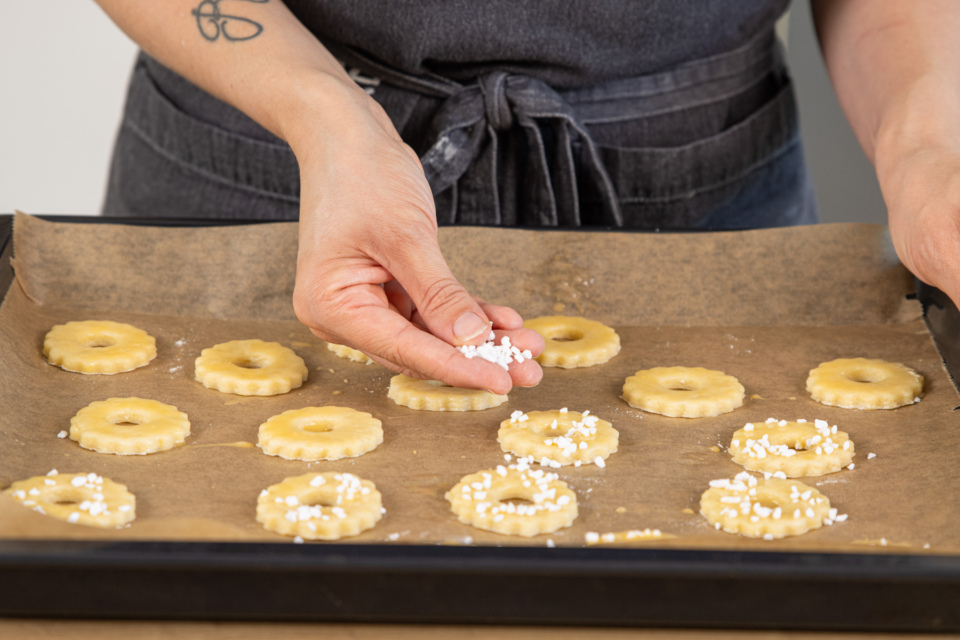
column 764, row 306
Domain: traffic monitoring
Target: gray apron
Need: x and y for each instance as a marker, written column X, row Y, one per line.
column 713, row 143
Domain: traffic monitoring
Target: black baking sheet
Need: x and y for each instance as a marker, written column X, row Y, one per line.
column 411, row 583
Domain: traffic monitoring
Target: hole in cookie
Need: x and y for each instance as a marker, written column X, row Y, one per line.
column 319, row 501
column 318, row 426
column 768, row 503
column 99, row 342
column 544, row 429
column 250, row 363
column 126, row 420
column 66, row 496
column 680, row 385
column 437, row 383
column 516, row 501
column 866, row 376
column 569, row 335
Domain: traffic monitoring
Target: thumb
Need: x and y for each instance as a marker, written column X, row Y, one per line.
column 448, row 311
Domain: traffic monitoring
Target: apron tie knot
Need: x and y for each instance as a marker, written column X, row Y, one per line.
column 494, row 88
column 510, row 139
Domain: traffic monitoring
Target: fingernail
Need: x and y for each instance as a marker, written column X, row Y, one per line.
column 469, row 326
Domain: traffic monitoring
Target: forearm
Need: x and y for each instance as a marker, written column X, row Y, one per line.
column 266, row 64
column 896, row 68
column 370, row 273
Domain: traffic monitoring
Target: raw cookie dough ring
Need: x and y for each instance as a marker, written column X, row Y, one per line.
column 574, row 342
column 566, row 437
column 795, row 449
column 320, row 433
column 98, row 347
column 77, row 498
column 481, row 500
column 431, row 395
column 861, row 383
column 129, row 426
column 250, row 368
column 320, row 506
column 683, row 392
column 777, row 508
column 349, row 353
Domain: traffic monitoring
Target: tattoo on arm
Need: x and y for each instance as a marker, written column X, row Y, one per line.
column 213, row 23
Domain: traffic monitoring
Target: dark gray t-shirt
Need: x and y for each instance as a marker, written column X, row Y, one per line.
column 567, row 44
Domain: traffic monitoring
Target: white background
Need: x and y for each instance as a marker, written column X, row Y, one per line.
column 64, row 67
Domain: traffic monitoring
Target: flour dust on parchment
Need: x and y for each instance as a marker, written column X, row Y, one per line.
column 561, row 279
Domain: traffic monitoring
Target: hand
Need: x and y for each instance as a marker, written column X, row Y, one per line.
column 369, row 270
column 922, row 190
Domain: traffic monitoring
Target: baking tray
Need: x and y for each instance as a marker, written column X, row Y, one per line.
column 505, row 585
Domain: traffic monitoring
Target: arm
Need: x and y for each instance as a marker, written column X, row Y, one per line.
column 896, row 69
column 369, row 271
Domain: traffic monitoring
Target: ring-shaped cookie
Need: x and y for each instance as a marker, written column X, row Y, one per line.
column 349, row 353
column 250, row 368
column 431, row 395
column 320, row 433
column 794, row 448
column 862, row 383
column 566, row 437
column 764, row 508
column 77, row 498
column 484, row 500
column 129, row 426
column 572, row 342
column 98, row 347
column 320, row 506
column 683, row 392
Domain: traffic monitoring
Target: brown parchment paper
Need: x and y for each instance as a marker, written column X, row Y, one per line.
column 764, row 306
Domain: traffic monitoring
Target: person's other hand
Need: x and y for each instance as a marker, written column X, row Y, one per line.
column 369, row 270
column 922, row 191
